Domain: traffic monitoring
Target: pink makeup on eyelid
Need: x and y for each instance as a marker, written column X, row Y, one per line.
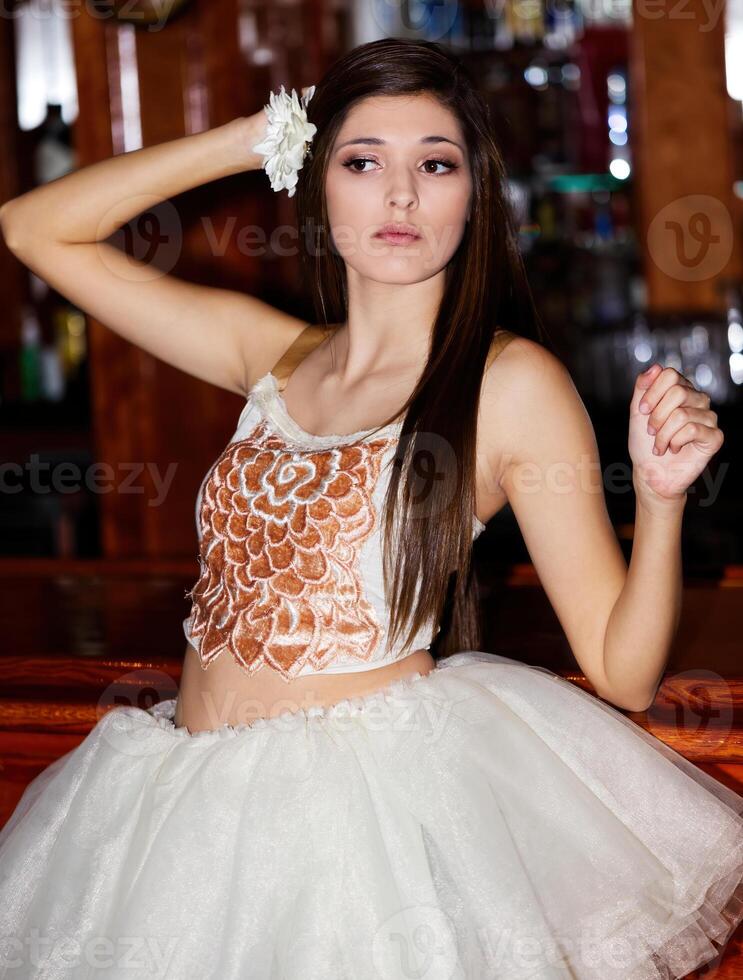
column 450, row 165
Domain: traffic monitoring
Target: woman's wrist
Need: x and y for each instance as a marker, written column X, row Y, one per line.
column 655, row 505
column 243, row 133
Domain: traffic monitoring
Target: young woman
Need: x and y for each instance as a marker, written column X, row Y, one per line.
column 324, row 799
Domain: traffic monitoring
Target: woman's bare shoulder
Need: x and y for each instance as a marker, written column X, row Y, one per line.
column 516, row 360
column 520, row 375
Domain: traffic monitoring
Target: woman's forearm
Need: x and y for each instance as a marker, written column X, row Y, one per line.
column 93, row 202
column 645, row 617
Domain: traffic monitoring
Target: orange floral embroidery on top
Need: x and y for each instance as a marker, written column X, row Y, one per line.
column 280, row 582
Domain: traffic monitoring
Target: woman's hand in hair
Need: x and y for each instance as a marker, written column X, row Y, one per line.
column 250, row 130
column 247, row 132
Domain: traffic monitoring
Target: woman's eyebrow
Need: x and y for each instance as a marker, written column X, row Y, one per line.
column 376, row 141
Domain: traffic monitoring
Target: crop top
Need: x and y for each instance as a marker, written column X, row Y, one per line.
column 290, row 546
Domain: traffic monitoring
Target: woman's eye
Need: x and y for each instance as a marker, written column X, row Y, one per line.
column 350, row 164
column 448, row 164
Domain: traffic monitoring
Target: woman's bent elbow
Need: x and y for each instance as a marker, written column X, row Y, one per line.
column 9, row 225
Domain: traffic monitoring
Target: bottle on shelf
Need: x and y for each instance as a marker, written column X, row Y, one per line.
column 52, row 378
column 30, row 356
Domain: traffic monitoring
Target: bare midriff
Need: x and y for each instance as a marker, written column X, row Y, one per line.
column 225, row 694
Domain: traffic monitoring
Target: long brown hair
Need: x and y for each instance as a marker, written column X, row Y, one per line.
column 485, row 289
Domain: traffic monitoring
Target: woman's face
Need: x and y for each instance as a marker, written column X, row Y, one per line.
column 399, row 159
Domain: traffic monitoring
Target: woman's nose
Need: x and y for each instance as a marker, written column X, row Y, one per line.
column 401, row 198
column 401, row 191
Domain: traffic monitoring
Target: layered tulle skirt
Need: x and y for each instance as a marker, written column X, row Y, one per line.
column 489, row 819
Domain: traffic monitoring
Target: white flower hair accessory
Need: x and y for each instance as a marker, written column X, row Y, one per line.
column 287, row 138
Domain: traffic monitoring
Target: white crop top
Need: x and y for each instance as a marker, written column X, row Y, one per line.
column 290, row 547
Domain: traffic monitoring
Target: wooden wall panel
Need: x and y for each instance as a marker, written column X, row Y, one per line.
column 12, row 274
column 683, row 152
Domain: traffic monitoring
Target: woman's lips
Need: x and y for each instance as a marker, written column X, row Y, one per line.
column 395, row 238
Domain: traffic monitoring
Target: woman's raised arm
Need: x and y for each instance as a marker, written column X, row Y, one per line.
column 59, row 229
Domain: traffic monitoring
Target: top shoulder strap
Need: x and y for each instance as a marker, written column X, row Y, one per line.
column 501, row 339
column 307, row 340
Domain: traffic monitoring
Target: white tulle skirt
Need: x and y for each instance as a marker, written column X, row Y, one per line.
column 486, row 820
